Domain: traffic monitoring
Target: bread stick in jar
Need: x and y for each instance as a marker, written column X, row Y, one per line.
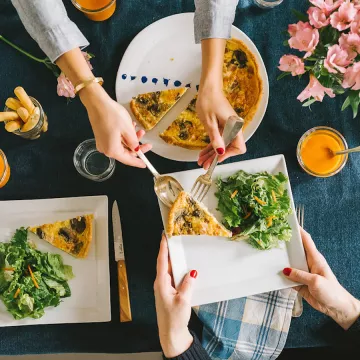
column 9, row 116
column 24, row 99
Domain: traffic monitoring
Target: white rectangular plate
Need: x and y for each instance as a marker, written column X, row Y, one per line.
column 90, row 289
column 229, row 269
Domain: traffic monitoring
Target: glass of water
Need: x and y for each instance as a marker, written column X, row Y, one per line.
column 268, row 4
column 91, row 164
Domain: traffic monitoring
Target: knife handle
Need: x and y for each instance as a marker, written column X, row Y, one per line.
column 124, row 298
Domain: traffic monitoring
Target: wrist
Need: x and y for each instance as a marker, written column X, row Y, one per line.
column 347, row 316
column 91, row 93
column 175, row 343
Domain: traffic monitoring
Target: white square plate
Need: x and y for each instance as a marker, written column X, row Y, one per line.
column 229, row 269
column 90, row 288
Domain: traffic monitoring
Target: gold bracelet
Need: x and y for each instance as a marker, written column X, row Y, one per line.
column 86, row 83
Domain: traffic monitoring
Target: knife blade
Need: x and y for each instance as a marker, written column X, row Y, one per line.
column 124, row 298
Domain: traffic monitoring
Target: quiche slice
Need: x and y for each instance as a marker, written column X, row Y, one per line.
column 151, row 107
column 187, row 130
column 73, row 236
column 188, row 217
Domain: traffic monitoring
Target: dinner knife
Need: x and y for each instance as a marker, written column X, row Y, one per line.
column 124, row 298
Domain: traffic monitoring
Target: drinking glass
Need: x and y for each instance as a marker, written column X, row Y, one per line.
column 4, row 170
column 96, row 10
column 267, row 4
column 91, row 164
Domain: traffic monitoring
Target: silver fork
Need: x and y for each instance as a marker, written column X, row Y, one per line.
column 298, row 304
column 203, row 182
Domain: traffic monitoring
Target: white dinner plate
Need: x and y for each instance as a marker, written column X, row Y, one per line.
column 90, row 288
column 164, row 55
column 231, row 269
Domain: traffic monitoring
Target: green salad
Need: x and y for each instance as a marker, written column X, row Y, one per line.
column 256, row 208
column 31, row 280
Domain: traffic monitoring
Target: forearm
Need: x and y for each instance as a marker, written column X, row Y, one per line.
column 48, row 24
column 213, row 19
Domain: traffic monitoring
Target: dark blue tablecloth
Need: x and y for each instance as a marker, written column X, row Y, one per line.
column 44, row 169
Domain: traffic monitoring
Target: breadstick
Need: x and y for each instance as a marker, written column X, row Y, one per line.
column 13, row 104
column 23, row 113
column 45, row 126
column 11, row 126
column 9, row 116
column 32, row 120
column 24, row 99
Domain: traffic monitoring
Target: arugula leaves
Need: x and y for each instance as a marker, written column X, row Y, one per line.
column 255, row 207
column 31, row 280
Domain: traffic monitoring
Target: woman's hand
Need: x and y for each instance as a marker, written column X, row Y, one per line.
column 321, row 288
column 114, row 131
column 212, row 106
column 173, row 307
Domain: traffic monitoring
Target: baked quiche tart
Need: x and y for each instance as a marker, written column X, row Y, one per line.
column 151, row 107
column 189, row 217
column 73, row 236
column 187, row 130
column 242, row 83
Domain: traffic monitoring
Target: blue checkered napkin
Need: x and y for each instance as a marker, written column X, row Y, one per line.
column 251, row 328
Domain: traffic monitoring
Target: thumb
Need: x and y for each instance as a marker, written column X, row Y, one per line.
column 216, row 139
column 299, row 276
column 186, row 287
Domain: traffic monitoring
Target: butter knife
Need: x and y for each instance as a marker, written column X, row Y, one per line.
column 124, row 298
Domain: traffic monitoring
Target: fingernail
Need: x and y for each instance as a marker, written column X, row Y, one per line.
column 220, row 151
column 193, row 274
column 287, row 271
column 137, row 148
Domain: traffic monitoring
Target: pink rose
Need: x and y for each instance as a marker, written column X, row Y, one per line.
column 350, row 43
column 317, row 17
column 327, row 6
column 336, row 60
column 65, row 87
column 355, row 25
column 343, row 18
column 352, row 77
column 293, row 64
column 87, row 58
column 356, row 4
column 315, row 90
column 304, row 37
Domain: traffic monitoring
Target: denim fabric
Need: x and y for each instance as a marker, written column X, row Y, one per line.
column 44, row 169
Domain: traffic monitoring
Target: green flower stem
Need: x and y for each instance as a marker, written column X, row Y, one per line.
column 21, row 50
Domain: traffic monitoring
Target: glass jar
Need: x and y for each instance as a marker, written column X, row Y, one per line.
column 39, row 128
column 267, row 4
column 4, row 170
column 316, row 148
column 98, row 10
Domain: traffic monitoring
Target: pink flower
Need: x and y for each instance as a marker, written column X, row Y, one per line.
column 315, row 90
column 65, row 87
column 317, row 17
column 343, row 18
column 304, row 37
column 293, row 64
column 356, row 4
column 350, row 43
column 327, row 6
column 355, row 25
column 87, row 58
column 336, row 60
column 352, row 77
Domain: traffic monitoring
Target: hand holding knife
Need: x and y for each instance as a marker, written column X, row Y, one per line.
column 124, row 298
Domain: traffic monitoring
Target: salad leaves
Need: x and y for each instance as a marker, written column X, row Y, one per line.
column 31, row 280
column 255, row 207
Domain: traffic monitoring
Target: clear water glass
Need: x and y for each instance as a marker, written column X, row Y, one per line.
column 91, row 164
column 267, row 4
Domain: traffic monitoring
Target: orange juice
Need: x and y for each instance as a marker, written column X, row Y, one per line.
column 317, row 151
column 97, row 10
column 4, row 170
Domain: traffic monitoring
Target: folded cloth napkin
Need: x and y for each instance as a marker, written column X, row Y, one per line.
column 251, row 328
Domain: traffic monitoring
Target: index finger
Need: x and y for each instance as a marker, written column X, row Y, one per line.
column 162, row 265
column 308, row 242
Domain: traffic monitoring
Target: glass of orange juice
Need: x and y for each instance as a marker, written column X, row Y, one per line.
column 316, row 148
column 4, row 170
column 97, row 10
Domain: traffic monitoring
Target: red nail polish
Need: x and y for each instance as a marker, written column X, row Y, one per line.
column 193, row 274
column 137, row 148
column 220, row 151
column 287, row 271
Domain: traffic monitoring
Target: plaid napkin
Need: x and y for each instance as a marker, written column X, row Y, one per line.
column 251, row 328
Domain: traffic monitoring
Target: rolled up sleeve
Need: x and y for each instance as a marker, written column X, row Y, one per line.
column 48, row 24
column 213, row 19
